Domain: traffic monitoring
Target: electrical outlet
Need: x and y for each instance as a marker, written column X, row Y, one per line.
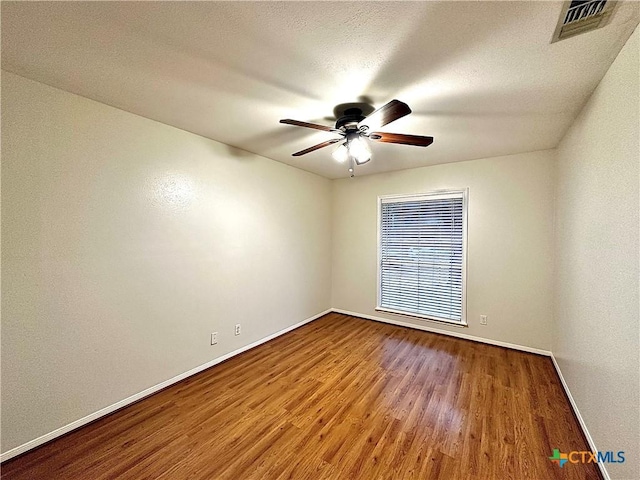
column 237, row 329
column 214, row 338
column 483, row 319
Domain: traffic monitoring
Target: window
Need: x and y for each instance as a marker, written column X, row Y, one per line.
column 422, row 255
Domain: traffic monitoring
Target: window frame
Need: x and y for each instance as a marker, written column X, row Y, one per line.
column 433, row 195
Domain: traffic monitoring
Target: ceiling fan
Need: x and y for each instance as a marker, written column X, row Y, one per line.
column 354, row 125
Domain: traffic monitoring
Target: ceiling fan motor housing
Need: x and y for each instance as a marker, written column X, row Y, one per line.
column 351, row 116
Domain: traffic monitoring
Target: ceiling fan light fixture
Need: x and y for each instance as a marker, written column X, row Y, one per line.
column 341, row 154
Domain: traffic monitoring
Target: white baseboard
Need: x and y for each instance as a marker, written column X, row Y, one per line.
column 489, row 341
column 581, row 421
column 145, row 393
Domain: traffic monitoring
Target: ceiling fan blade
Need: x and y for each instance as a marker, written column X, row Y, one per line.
column 316, row 147
column 308, row 125
column 416, row 140
column 386, row 114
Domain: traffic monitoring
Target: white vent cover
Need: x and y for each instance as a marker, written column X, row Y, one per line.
column 580, row 16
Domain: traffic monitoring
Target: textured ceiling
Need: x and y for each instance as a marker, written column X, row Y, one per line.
column 481, row 77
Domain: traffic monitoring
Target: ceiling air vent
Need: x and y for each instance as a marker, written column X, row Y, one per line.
column 580, row 16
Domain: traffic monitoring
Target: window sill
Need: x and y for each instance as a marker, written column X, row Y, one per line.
column 452, row 323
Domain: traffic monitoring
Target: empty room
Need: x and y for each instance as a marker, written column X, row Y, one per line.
column 320, row 240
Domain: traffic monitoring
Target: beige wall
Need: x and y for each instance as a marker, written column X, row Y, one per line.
column 510, row 236
column 126, row 242
column 597, row 314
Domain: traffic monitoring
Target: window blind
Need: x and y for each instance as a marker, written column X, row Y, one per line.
column 422, row 242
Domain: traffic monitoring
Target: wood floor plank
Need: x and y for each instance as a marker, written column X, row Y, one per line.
column 339, row 398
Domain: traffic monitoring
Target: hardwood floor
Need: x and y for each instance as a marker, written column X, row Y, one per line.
column 340, row 398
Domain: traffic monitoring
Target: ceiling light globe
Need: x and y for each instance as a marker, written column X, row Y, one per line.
column 340, row 154
column 359, row 150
